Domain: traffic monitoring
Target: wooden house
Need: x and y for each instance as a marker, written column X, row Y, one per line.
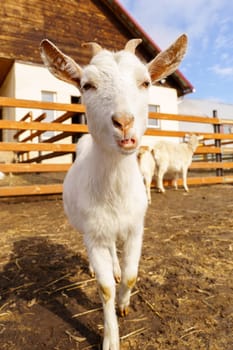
column 69, row 23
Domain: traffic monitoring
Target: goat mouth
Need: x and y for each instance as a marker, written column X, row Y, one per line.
column 127, row 144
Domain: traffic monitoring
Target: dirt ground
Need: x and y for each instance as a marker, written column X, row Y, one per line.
column 183, row 299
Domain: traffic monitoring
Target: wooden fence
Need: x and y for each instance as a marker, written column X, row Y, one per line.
column 213, row 161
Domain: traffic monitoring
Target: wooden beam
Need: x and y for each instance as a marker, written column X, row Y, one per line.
column 55, row 147
column 211, row 165
column 184, row 118
column 60, row 119
column 158, row 132
column 33, row 134
column 57, row 188
column 207, row 149
column 46, row 156
column 30, row 190
column 205, row 180
column 30, row 168
column 11, row 124
column 19, row 103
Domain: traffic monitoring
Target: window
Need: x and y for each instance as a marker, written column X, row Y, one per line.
column 48, row 96
column 154, row 123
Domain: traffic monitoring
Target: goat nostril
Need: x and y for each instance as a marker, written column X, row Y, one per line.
column 122, row 122
column 116, row 123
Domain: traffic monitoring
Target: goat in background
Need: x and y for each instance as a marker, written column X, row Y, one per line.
column 174, row 159
column 146, row 164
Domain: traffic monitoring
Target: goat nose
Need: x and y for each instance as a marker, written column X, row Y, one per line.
column 123, row 122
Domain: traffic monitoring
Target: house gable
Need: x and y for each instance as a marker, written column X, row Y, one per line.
column 69, row 23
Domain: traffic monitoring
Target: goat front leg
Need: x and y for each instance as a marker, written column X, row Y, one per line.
column 101, row 262
column 160, row 176
column 147, row 182
column 115, row 264
column 175, row 181
column 184, row 175
column 131, row 257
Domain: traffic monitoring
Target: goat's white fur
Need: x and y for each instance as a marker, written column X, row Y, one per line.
column 7, row 157
column 104, row 195
column 174, row 159
column 147, row 167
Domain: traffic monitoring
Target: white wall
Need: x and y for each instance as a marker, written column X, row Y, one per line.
column 199, row 107
column 30, row 80
column 166, row 98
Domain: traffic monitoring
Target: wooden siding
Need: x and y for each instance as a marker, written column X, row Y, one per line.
column 66, row 22
column 69, row 23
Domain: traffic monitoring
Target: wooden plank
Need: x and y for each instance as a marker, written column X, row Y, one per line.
column 33, row 134
column 209, row 180
column 207, row 149
column 30, row 190
column 11, row 124
column 29, row 168
column 211, row 165
column 158, row 132
column 40, row 117
column 59, row 137
column 60, row 147
column 64, row 117
column 57, row 188
column 55, row 147
column 227, row 150
column 40, row 158
column 60, row 119
column 27, row 116
column 227, row 121
column 200, row 180
column 184, row 118
column 12, row 102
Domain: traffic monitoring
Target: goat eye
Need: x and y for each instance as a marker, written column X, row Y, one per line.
column 145, row 84
column 88, row 86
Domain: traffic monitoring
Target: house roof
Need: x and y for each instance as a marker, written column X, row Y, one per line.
column 180, row 82
column 104, row 21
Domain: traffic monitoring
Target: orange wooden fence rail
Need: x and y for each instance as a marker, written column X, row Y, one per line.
column 210, row 156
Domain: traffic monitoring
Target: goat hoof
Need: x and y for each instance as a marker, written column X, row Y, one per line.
column 123, row 311
column 117, row 278
column 91, row 272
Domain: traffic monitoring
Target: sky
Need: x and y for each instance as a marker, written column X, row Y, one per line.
column 208, row 64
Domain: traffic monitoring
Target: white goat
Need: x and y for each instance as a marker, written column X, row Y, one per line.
column 173, row 159
column 104, row 195
column 7, row 157
column 146, row 164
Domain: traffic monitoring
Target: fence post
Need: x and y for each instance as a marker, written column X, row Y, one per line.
column 218, row 156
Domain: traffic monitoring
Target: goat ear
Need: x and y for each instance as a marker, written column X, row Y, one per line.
column 60, row 65
column 167, row 62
